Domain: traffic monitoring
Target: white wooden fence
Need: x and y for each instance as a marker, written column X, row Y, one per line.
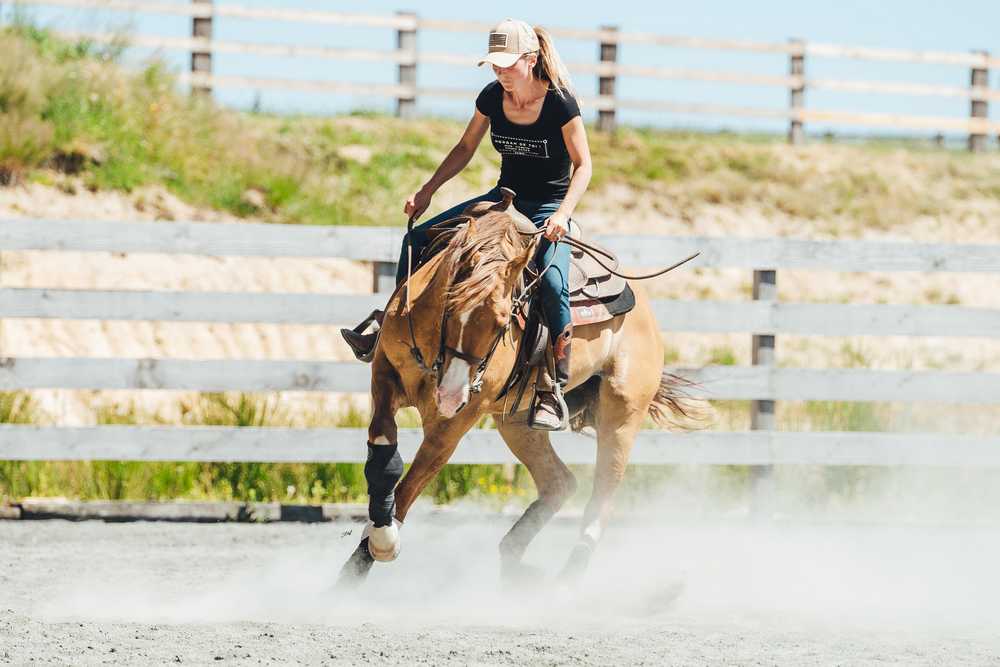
column 762, row 383
column 975, row 66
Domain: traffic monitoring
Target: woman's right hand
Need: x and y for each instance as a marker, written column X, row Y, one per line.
column 418, row 203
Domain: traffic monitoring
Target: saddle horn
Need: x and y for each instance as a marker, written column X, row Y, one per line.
column 508, row 198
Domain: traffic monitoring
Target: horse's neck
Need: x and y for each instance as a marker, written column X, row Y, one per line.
column 424, row 289
column 428, row 293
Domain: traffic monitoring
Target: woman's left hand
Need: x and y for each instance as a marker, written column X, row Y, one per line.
column 556, row 227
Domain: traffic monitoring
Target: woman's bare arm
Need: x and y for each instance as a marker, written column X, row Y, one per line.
column 575, row 136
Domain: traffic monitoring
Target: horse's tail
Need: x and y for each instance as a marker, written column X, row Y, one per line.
column 673, row 405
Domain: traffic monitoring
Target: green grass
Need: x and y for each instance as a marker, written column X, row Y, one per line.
column 722, row 355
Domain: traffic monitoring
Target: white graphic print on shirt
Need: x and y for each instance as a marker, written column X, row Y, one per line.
column 521, row 147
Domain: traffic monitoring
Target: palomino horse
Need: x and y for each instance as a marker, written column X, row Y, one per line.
column 460, row 307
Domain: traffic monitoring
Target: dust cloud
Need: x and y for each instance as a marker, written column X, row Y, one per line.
column 678, row 556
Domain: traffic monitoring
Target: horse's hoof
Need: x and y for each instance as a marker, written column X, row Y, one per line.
column 576, row 566
column 517, row 575
column 383, row 541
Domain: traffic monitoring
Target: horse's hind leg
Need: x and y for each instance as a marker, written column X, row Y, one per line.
column 555, row 484
column 622, row 405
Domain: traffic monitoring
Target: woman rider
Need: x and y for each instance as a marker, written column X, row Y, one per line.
column 535, row 125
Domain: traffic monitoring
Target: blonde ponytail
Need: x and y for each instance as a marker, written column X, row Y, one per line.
column 550, row 66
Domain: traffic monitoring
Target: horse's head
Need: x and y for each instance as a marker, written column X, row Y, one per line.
column 484, row 261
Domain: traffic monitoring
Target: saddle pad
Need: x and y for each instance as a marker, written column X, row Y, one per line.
column 592, row 311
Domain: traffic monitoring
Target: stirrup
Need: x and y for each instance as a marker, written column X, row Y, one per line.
column 563, row 409
column 352, row 336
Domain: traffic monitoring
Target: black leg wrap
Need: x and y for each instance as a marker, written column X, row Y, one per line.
column 382, row 471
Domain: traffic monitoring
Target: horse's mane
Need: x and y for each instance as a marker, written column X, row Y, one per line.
column 476, row 259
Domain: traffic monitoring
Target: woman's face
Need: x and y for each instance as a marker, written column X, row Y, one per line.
column 517, row 73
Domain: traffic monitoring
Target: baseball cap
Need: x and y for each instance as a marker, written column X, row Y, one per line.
column 509, row 40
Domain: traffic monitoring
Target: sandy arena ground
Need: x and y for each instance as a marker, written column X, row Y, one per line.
column 683, row 592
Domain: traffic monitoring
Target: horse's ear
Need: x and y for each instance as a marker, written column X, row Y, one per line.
column 504, row 204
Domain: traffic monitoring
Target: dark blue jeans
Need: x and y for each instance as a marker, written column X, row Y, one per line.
column 554, row 286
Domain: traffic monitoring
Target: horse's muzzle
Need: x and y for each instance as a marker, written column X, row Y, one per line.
column 450, row 403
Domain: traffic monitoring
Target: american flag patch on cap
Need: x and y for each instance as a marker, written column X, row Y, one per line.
column 498, row 41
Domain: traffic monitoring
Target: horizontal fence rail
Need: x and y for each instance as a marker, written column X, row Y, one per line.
column 401, row 57
column 484, row 447
column 715, row 382
column 381, row 244
column 818, row 319
column 406, row 58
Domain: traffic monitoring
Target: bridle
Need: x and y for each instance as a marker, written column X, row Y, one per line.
column 481, row 363
column 517, row 307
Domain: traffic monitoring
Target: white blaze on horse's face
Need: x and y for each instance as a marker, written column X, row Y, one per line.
column 453, row 391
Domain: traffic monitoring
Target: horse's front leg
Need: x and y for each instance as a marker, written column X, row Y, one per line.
column 389, row 503
column 380, row 540
column 439, row 443
column 383, row 468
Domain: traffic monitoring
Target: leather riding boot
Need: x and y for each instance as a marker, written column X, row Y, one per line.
column 560, row 353
column 549, row 412
column 363, row 344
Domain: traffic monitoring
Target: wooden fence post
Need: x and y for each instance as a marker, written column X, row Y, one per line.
column 980, row 78
column 383, row 276
column 201, row 61
column 384, row 273
column 406, row 41
column 765, row 288
column 608, row 53
column 796, row 95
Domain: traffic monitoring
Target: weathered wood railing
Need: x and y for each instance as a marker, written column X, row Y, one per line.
column 763, row 383
column 201, row 44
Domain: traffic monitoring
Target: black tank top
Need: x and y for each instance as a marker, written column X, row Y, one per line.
column 534, row 162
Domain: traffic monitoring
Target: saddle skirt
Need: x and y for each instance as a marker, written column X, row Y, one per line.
column 589, row 279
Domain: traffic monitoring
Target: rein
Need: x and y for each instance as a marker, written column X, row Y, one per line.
column 595, row 252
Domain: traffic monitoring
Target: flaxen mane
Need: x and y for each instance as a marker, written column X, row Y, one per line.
column 476, row 259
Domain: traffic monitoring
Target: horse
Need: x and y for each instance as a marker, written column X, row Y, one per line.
column 459, row 306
